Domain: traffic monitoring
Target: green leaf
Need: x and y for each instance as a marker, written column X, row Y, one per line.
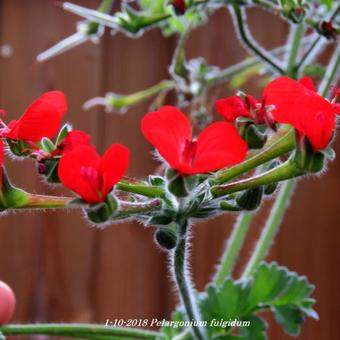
column 289, row 317
column 271, row 287
column 256, row 330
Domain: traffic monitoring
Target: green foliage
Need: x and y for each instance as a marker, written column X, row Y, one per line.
column 272, row 287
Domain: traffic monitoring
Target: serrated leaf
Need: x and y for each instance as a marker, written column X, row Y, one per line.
column 256, row 330
column 272, row 287
column 290, row 318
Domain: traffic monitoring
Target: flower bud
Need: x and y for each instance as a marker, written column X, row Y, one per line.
column 49, row 168
column 250, row 199
column 102, row 212
column 166, row 238
column 179, row 6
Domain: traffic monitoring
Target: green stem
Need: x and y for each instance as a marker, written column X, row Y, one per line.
column 233, row 248
column 144, row 190
column 317, row 40
column 119, row 102
column 331, row 73
column 297, row 34
column 270, row 229
column 79, row 330
column 281, row 142
column 285, row 171
column 248, row 40
column 179, row 266
column 44, row 201
column 225, row 74
column 126, row 209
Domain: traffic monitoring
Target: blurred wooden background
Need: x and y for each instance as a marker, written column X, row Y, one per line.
column 62, row 270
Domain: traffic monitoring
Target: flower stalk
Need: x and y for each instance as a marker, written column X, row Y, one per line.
column 87, row 331
column 179, row 266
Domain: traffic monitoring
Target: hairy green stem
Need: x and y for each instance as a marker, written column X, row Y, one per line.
column 144, row 190
column 317, row 41
column 279, row 144
column 233, row 248
column 46, row 202
column 331, row 73
column 80, row 330
column 283, row 172
column 270, row 229
column 119, row 102
column 248, row 40
column 185, row 290
column 225, row 74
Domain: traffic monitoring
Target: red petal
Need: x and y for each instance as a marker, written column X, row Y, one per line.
column 231, row 108
column 283, row 92
column 113, row 166
column 218, row 146
column 75, row 138
column 307, row 82
column 71, row 173
column 167, row 130
column 1, row 160
column 316, row 120
column 41, row 119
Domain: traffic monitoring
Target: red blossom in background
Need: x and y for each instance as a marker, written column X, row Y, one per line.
column 297, row 103
column 90, row 176
column 170, row 132
column 41, row 119
column 234, row 107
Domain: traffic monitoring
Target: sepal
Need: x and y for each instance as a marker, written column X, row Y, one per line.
column 102, row 212
column 251, row 133
column 307, row 159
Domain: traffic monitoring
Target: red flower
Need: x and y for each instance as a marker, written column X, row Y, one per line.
column 90, row 176
column 41, row 119
column 72, row 140
column 298, row 104
column 234, row 107
column 170, row 132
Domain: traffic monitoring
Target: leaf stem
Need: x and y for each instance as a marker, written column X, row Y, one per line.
column 240, row 26
column 270, row 229
column 80, row 331
column 233, row 248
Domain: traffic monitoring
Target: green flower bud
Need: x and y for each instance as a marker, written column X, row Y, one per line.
column 166, row 238
column 250, row 199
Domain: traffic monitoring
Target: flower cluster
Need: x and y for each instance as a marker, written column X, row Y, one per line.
column 77, row 165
